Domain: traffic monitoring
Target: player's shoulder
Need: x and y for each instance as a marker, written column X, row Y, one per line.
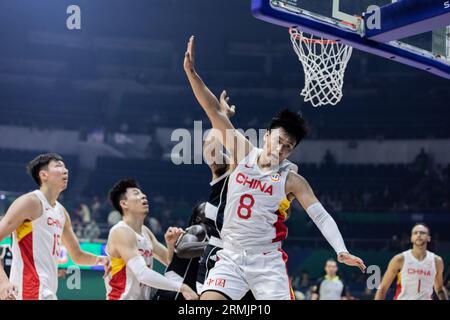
column 289, row 165
column 399, row 258
column 438, row 259
column 121, row 231
column 29, row 198
column 294, row 175
column 28, row 202
column 296, row 179
column 66, row 213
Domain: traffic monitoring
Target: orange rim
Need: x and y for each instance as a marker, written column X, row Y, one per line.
column 309, row 40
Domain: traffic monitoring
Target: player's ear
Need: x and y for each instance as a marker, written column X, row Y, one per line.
column 43, row 175
column 123, row 203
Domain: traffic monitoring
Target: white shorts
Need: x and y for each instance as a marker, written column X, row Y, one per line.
column 265, row 274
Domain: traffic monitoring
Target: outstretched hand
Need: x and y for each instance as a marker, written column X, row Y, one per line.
column 189, row 57
column 351, row 260
column 225, row 107
column 172, row 235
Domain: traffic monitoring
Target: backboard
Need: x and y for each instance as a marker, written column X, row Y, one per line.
column 412, row 32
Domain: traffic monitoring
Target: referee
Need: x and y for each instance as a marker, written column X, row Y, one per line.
column 330, row 286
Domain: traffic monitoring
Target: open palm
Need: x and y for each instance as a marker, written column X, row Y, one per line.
column 352, row 261
column 189, row 57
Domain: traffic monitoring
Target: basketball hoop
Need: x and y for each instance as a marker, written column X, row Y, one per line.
column 324, row 63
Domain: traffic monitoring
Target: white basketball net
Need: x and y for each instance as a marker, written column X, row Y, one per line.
column 324, row 62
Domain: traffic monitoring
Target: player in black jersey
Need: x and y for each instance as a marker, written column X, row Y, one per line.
column 218, row 162
column 188, row 249
column 6, row 258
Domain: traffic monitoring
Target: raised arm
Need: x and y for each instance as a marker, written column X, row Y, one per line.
column 26, row 207
column 303, row 192
column 123, row 244
column 394, row 267
column 214, row 155
column 162, row 253
column 232, row 139
column 439, row 280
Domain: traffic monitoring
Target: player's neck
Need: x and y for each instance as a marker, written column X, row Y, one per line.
column 134, row 222
column 264, row 163
column 419, row 252
column 50, row 195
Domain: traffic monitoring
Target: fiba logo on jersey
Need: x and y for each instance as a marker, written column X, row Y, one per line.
column 275, row 177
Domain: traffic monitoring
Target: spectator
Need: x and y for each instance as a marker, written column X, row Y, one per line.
column 299, row 295
column 395, row 244
column 95, row 208
column 114, row 217
column 304, row 280
column 295, row 281
column 85, row 213
column 368, row 294
column 97, row 135
column 78, row 228
column 122, row 139
column 155, row 226
column 329, row 159
column 91, row 231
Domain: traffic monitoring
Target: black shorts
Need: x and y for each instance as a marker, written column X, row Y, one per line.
column 167, row 295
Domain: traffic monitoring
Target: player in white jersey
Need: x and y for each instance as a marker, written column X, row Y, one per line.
column 253, row 230
column 418, row 271
column 131, row 247
column 39, row 224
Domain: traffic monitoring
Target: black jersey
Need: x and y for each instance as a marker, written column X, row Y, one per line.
column 187, row 270
column 6, row 253
column 215, row 205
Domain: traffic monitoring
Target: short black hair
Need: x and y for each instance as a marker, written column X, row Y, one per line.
column 39, row 163
column 422, row 224
column 118, row 191
column 198, row 214
column 292, row 122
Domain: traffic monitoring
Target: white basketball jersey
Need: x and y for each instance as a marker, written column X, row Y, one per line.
column 252, row 215
column 36, row 248
column 122, row 284
column 416, row 279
